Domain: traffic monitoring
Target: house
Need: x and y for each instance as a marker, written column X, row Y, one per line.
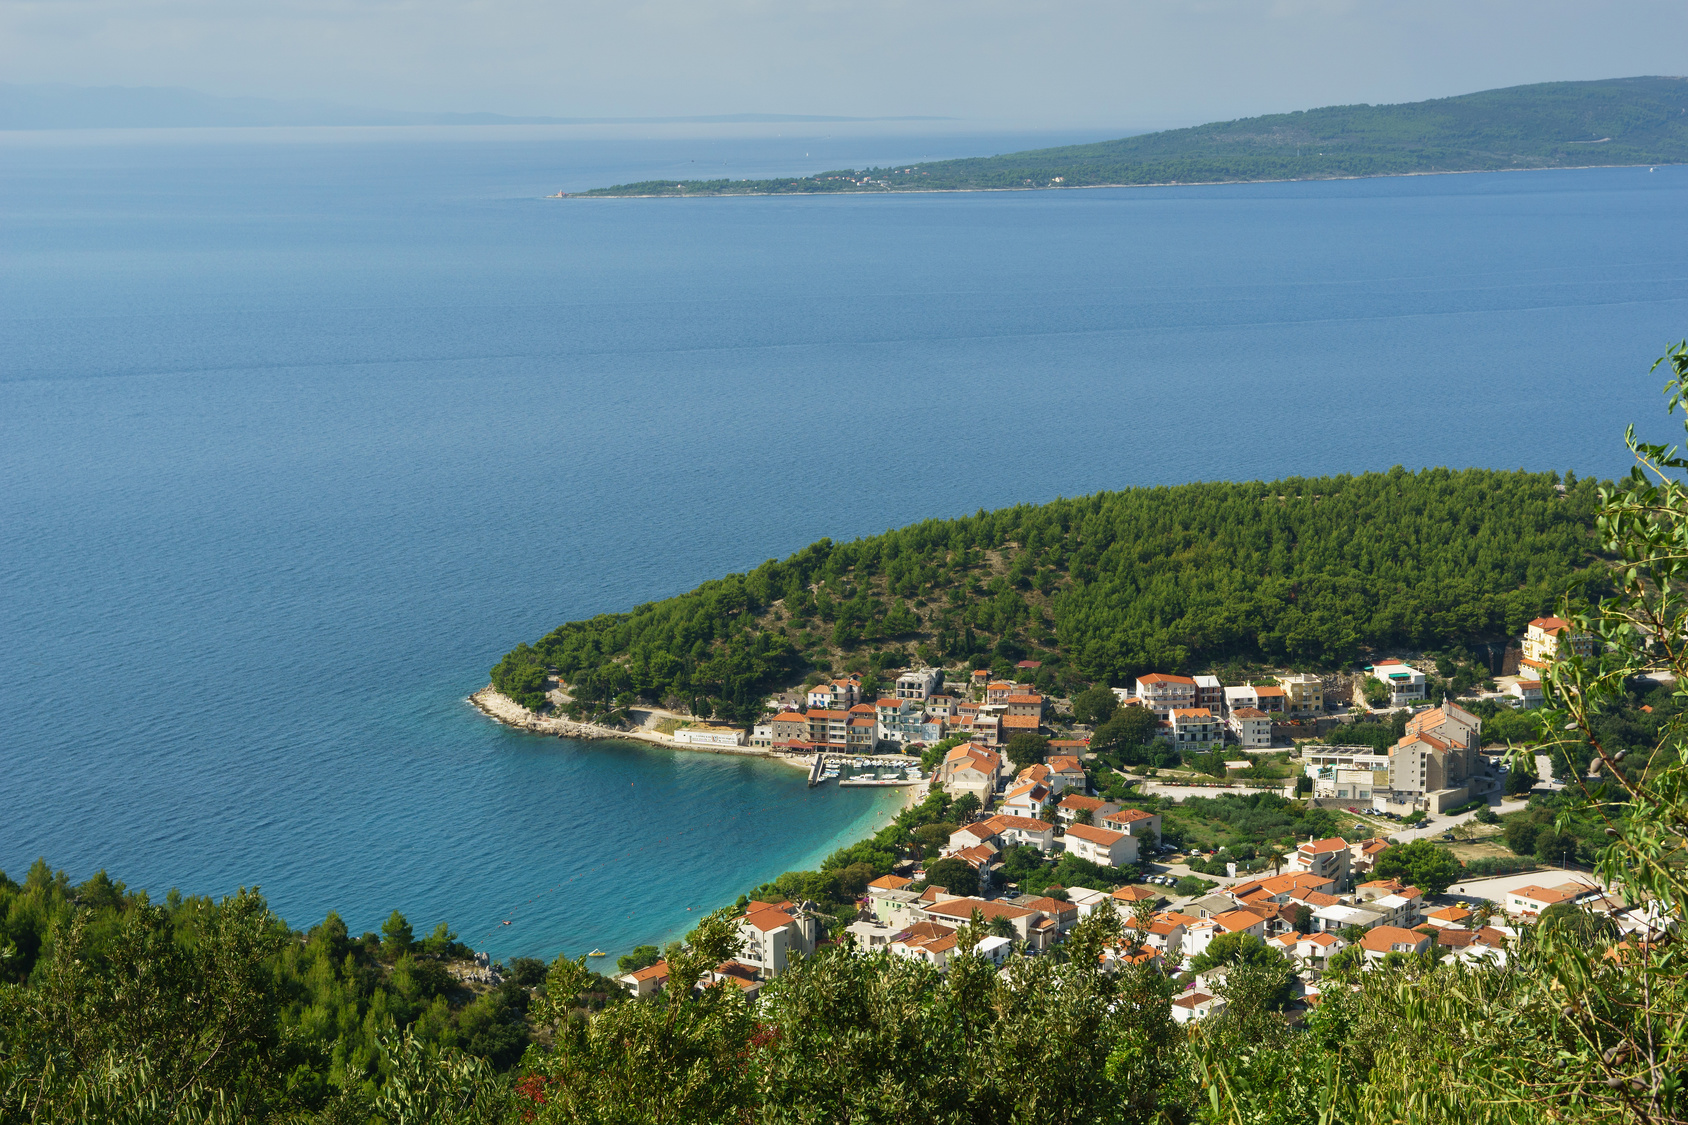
column 940, row 706
column 1400, row 909
column 1526, row 691
column 1063, row 914
column 1475, row 946
column 1311, row 949
column 931, row 942
column 1533, row 899
column 1302, row 693
column 739, row 975
column 969, row 835
column 762, row 735
column 894, row 905
column 1192, row 1006
column 1026, row 704
column 1011, row 830
column 862, row 732
column 1011, row 725
column 957, row 911
column 1166, row 933
column 1126, row 899
column 1068, row 808
column 828, row 728
column 1450, row 723
column 1087, row 900
column 839, row 695
column 1456, row 916
column 1251, row 726
column 1339, row 916
column 1363, row 855
column 1026, row 798
column 1328, row 858
column 986, row 729
column 1378, row 888
column 1144, row 825
column 981, row 858
column 1380, row 941
column 920, row 683
column 994, row 949
column 1237, row 921
column 998, row 691
column 1193, row 728
column 1313, row 900
column 1161, row 693
column 968, row 769
column 1100, row 845
column 1281, row 888
column 1210, row 693
column 645, row 982
column 901, row 721
column 1405, row 683
column 774, row 934
column 1542, row 638
column 1261, row 697
column 1066, row 772
column 788, row 726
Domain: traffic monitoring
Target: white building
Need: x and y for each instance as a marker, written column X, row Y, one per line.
column 1252, row 727
column 1101, row 845
column 1161, row 693
column 1405, row 683
column 919, row 683
column 1193, row 728
column 712, row 736
column 1527, row 693
column 773, row 934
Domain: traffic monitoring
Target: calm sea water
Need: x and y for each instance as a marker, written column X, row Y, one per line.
column 300, row 431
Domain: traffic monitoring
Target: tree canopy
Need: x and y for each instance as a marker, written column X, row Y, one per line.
column 1429, row 867
column 1105, row 587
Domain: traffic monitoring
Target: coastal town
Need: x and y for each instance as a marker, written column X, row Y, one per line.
column 1323, row 906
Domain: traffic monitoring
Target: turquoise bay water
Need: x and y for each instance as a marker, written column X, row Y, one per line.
column 299, row 432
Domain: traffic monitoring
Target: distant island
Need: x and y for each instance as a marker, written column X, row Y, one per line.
column 1546, row 125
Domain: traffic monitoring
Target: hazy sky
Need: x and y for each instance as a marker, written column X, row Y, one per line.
column 1032, row 62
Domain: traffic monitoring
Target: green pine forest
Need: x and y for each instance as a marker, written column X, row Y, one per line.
column 1313, row 572
column 1545, row 125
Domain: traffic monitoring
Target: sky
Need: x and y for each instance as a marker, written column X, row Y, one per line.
column 1049, row 63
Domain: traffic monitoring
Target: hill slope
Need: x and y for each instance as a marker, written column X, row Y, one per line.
column 1547, row 125
column 1104, row 587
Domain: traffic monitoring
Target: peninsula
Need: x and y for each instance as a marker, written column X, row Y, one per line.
column 1101, row 588
column 1620, row 121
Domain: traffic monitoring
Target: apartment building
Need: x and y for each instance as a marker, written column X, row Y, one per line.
column 1162, row 693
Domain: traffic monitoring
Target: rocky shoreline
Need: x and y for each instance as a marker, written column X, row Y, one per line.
column 501, row 708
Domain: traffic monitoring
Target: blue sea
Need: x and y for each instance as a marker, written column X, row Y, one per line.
column 300, row 430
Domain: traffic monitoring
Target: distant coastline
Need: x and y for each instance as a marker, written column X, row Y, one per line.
column 1092, row 187
column 1633, row 122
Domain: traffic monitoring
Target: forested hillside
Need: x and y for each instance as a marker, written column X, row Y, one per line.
column 1104, row 587
column 1546, row 125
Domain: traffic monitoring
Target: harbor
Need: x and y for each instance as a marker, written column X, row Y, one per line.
column 864, row 772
